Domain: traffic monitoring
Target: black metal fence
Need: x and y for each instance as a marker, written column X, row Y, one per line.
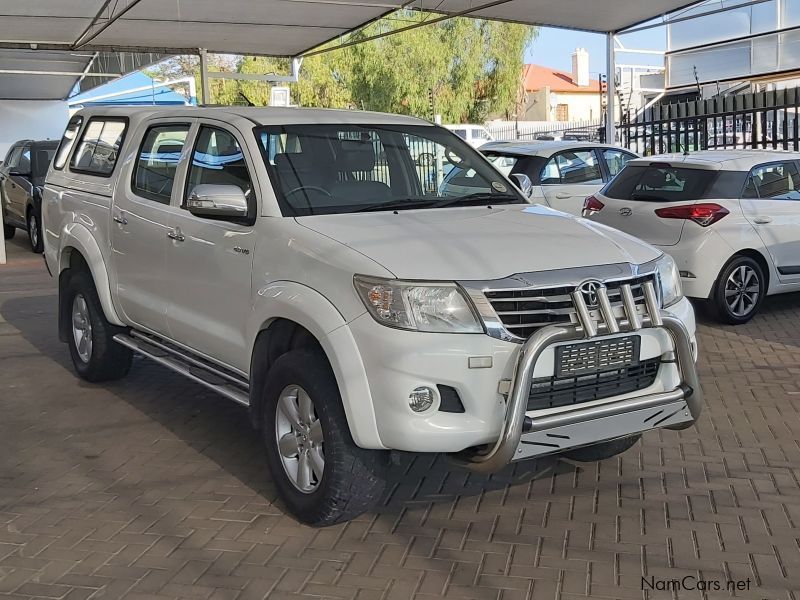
column 752, row 120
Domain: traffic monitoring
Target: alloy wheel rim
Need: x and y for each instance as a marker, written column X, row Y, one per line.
column 742, row 290
column 82, row 328
column 298, row 434
column 34, row 230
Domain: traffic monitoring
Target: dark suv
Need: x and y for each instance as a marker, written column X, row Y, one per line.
column 22, row 176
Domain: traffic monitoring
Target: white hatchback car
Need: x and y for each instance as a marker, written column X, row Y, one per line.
column 730, row 219
column 563, row 173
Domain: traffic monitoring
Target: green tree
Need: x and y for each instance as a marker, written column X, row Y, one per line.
column 470, row 68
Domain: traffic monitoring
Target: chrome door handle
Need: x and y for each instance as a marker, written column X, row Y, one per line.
column 762, row 220
column 562, row 195
column 120, row 219
column 175, row 234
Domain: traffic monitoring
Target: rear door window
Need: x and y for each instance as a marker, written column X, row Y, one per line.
column 660, row 183
column 154, row 175
column 775, row 181
column 572, row 167
column 99, row 146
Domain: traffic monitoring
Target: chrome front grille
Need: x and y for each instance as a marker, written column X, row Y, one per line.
column 523, row 311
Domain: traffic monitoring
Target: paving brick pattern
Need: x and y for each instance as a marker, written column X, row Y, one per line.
column 153, row 488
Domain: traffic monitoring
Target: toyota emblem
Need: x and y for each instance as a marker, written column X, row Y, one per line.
column 588, row 290
column 625, row 211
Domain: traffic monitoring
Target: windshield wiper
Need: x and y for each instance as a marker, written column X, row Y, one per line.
column 397, row 203
column 482, row 198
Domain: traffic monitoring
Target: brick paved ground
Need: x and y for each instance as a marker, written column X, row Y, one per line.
column 153, row 488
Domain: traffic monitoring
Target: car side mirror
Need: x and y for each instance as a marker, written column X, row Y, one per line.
column 217, row 200
column 523, row 182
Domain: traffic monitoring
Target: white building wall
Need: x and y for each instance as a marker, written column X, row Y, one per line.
column 30, row 119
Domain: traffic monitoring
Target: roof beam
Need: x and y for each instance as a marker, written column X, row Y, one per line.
column 112, row 19
column 57, row 73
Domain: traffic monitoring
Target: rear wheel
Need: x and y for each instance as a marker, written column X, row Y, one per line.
column 319, row 472
column 738, row 291
column 95, row 355
column 35, row 230
column 9, row 231
column 602, row 451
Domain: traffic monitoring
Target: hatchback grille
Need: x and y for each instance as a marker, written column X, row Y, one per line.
column 552, row 392
column 522, row 312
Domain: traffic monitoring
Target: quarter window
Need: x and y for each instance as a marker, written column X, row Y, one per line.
column 67, row 142
column 158, row 160
column 776, row 181
column 572, row 167
column 99, row 147
column 218, row 159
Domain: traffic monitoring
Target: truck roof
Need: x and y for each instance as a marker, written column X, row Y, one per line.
column 259, row 115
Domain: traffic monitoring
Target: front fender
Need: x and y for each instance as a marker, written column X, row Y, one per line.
column 313, row 311
column 76, row 237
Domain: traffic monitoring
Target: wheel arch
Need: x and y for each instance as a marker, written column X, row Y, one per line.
column 766, row 265
column 290, row 315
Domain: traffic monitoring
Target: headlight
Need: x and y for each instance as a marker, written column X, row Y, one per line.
column 419, row 306
column 669, row 281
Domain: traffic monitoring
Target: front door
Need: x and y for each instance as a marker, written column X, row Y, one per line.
column 141, row 221
column 210, row 260
column 569, row 177
column 771, row 203
column 17, row 186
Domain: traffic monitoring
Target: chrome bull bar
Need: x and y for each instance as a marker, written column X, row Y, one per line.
column 688, row 394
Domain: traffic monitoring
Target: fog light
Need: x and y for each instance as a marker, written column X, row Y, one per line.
column 421, row 399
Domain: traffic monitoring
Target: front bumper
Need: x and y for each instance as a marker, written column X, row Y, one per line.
column 523, row 436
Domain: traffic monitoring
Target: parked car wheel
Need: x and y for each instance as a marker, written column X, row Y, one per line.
column 9, row 231
column 35, row 231
column 603, row 450
column 319, row 472
column 738, row 291
column 95, row 355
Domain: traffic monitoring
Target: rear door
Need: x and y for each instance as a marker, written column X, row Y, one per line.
column 632, row 198
column 569, row 177
column 143, row 204
column 17, row 186
column 771, row 202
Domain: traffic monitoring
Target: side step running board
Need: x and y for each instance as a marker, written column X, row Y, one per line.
column 190, row 367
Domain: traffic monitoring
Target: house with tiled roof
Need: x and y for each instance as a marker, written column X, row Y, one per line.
column 553, row 95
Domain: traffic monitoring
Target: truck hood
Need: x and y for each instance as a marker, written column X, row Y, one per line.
column 479, row 242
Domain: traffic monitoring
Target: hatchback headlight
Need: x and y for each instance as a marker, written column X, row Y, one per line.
column 418, row 306
column 669, row 281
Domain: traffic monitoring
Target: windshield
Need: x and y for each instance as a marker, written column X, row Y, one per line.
column 343, row 168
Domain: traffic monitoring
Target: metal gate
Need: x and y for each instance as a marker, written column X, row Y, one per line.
column 753, row 120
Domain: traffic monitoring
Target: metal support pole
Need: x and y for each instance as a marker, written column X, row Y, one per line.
column 612, row 90
column 206, row 89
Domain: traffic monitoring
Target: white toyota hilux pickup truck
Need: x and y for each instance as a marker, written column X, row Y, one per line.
column 303, row 264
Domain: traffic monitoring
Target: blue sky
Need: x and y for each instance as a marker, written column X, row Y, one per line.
column 554, row 48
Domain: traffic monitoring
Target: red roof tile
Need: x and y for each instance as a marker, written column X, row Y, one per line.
column 538, row 77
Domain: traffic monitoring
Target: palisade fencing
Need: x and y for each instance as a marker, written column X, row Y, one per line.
column 765, row 119
column 544, row 130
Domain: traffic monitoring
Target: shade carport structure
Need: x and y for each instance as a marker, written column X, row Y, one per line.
column 48, row 48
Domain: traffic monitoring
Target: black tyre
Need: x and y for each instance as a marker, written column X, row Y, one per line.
column 9, row 231
column 603, row 450
column 95, row 355
column 319, row 472
column 738, row 291
column 35, row 231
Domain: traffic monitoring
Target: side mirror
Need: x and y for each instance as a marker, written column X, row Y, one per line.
column 523, row 182
column 217, row 200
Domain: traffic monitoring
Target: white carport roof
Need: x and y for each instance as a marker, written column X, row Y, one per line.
column 43, row 36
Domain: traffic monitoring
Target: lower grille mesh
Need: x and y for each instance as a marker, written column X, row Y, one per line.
column 552, row 392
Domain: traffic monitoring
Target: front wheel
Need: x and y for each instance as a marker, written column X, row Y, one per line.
column 319, row 472
column 95, row 355
column 738, row 291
